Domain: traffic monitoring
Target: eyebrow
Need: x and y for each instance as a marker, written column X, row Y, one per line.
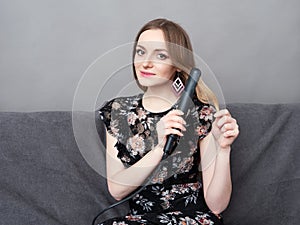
column 157, row 49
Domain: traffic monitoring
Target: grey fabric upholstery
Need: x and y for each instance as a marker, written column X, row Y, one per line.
column 45, row 179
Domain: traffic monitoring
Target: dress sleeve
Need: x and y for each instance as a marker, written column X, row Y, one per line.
column 205, row 114
column 114, row 116
column 106, row 114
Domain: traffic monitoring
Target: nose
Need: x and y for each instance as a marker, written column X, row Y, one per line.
column 147, row 63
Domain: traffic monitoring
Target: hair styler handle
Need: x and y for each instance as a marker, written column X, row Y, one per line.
column 183, row 105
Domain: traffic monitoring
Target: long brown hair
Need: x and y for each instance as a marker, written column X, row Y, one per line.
column 181, row 53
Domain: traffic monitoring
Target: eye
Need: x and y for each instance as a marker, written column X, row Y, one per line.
column 140, row 52
column 162, row 56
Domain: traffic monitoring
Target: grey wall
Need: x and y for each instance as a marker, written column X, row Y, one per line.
column 252, row 46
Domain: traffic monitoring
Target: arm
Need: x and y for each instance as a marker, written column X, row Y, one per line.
column 121, row 180
column 215, row 161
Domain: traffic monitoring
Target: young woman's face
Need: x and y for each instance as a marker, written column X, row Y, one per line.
column 152, row 62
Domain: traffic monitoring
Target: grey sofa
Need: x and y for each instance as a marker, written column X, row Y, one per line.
column 46, row 180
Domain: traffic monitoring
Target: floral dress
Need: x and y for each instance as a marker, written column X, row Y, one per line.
column 174, row 195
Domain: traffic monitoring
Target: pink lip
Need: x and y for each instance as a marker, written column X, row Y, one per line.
column 146, row 74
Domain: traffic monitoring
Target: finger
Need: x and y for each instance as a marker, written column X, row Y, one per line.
column 227, row 127
column 222, row 112
column 224, row 120
column 176, row 112
column 176, row 125
column 169, row 131
column 231, row 133
column 177, row 119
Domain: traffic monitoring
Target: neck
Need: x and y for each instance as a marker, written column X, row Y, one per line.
column 159, row 99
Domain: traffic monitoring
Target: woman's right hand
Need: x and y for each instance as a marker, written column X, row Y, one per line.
column 171, row 123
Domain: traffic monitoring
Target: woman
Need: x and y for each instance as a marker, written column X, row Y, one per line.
column 181, row 191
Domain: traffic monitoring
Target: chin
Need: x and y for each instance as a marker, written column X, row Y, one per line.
column 153, row 81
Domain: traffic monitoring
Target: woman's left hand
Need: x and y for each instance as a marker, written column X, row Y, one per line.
column 224, row 129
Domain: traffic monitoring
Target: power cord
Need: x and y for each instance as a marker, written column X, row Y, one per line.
column 131, row 195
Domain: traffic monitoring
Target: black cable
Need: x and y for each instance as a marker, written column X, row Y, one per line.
column 129, row 196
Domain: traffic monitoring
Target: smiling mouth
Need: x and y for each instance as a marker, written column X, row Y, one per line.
column 146, row 74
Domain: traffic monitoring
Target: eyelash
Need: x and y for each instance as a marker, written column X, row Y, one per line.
column 140, row 52
column 160, row 56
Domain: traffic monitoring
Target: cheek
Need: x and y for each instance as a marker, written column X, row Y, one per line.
column 137, row 61
column 167, row 70
column 136, row 65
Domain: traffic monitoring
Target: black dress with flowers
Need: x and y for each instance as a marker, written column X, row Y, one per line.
column 174, row 195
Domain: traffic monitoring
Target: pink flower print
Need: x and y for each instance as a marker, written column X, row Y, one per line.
column 167, row 195
column 160, row 176
column 206, row 113
column 135, row 102
column 202, row 219
column 141, row 114
column 125, row 159
column 187, row 220
column 131, row 118
column 133, row 217
column 115, row 105
column 195, row 186
column 119, row 223
column 140, row 128
column 137, row 144
column 201, row 130
column 185, row 165
column 180, row 188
